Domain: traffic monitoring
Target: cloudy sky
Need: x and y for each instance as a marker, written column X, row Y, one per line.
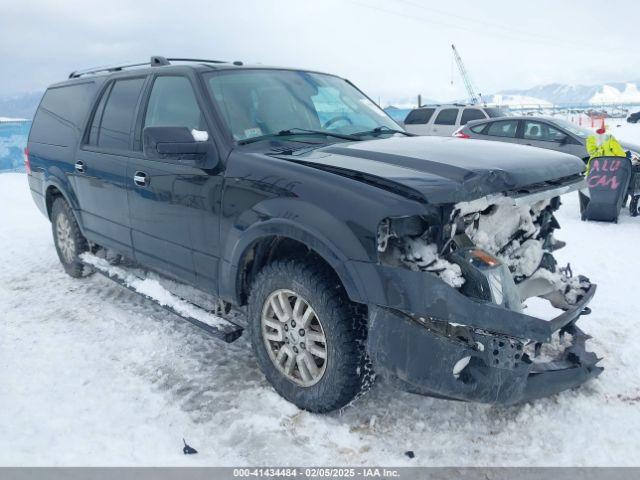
column 393, row 49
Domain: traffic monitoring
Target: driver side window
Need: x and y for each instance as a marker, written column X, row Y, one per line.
column 334, row 111
column 173, row 103
column 542, row 131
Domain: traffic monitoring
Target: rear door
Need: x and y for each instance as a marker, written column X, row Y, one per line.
column 543, row 135
column 101, row 165
column 174, row 208
column 417, row 121
column 502, row 131
column 445, row 122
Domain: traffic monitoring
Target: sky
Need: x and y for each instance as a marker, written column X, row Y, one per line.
column 392, row 49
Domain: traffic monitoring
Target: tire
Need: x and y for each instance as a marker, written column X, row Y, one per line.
column 68, row 239
column 634, row 206
column 344, row 372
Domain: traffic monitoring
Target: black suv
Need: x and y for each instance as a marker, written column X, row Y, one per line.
column 350, row 246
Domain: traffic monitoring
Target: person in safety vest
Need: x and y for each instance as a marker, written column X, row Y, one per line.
column 603, row 144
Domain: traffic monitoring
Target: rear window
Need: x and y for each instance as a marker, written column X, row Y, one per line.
column 505, row 128
column 447, row 116
column 61, row 114
column 113, row 121
column 419, row 116
column 478, row 128
column 469, row 114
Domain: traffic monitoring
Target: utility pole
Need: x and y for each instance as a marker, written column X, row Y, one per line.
column 473, row 97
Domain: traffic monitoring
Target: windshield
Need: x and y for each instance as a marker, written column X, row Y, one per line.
column 573, row 128
column 256, row 103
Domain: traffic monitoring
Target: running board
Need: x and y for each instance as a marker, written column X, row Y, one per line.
column 214, row 325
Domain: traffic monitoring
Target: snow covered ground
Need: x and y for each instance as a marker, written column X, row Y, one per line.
column 91, row 374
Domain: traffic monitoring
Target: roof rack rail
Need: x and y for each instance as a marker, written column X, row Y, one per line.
column 199, row 60
column 156, row 61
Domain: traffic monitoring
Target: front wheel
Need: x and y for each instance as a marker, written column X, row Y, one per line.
column 307, row 337
column 69, row 241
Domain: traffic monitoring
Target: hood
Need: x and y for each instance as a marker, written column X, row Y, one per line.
column 445, row 169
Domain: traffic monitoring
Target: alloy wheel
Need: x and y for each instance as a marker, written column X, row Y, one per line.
column 294, row 337
column 66, row 243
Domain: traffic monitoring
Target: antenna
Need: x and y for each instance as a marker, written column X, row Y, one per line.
column 465, row 78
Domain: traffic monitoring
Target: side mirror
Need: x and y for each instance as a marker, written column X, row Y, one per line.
column 175, row 145
column 562, row 139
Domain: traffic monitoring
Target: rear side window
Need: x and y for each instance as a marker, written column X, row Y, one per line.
column 61, row 114
column 115, row 123
column 173, row 103
column 419, row 116
column 505, row 128
column 469, row 114
column 479, row 128
column 447, row 116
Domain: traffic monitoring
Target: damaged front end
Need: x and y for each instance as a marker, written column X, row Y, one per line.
column 457, row 286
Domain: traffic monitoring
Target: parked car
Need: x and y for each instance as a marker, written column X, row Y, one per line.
column 634, row 117
column 542, row 132
column 443, row 120
column 350, row 246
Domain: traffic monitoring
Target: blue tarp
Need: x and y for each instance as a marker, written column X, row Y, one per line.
column 13, row 140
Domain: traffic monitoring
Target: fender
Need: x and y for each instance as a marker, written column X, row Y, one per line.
column 310, row 236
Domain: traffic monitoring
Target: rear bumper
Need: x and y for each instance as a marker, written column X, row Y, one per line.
column 442, row 360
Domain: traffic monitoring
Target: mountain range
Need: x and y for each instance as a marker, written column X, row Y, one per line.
column 558, row 93
column 21, row 105
column 24, row 105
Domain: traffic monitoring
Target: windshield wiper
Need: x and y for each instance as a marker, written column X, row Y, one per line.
column 301, row 131
column 383, row 129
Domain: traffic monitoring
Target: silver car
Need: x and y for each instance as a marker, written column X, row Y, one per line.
column 543, row 132
column 443, row 120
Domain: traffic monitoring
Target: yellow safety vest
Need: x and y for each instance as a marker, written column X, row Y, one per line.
column 609, row 147
column 606, row 147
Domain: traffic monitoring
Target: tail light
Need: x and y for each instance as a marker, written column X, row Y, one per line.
column 27, row 162
column 460, row 134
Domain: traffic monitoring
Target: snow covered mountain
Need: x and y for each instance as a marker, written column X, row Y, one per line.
column 557, row 93
column 20, row 105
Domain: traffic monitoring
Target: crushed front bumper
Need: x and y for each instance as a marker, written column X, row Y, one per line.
column 423, row 355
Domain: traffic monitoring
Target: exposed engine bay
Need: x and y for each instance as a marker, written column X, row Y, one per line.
column 493, row 249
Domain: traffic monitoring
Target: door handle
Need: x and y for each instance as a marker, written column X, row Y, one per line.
column 141, row 179
column 80, row 166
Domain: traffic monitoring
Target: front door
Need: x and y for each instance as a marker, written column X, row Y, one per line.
column 542, row 135
column 173, row 207
column 503, row 131
column 100, row 175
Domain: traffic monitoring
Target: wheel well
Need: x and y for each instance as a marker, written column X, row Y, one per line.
column 269, row 249
column 50, row 196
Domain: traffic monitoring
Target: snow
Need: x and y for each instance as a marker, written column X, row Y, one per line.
column 611, row 94
column 152, row 288
column 200, row 135
column 419, row 255
column 92, row 374
column 517, row 100
column 10, row 119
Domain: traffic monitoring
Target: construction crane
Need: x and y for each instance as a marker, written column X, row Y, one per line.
column 465, row 77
